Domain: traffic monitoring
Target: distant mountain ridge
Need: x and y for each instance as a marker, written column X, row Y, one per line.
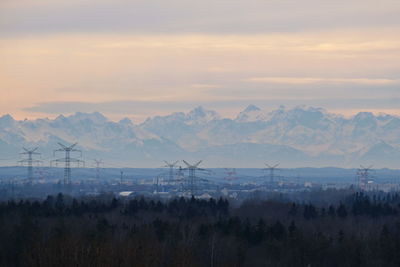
column 301, row 136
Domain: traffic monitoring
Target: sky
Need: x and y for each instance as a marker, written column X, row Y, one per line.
column 143, row 58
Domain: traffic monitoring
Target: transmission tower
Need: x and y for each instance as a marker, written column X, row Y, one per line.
column 192, row 175
column 171, row 167
column 29, row 161
column 98, row 163
column 67, row 160
column 272, row 169
column 180, row 179
column 363, row 176
column 158, row 180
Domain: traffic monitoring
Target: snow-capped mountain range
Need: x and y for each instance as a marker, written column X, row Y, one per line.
column 302, row 136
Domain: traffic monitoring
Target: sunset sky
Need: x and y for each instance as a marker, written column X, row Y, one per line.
column 141, row 58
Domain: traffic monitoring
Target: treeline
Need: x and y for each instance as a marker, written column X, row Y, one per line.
column 62, row 206
column 361, row 230
column 357, row 204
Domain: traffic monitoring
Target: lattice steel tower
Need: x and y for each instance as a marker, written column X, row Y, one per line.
column 192, row 174
column 171, row 167
column 363, row 176
column 29, row 162
column 67, row 160
column 272, row 170
column 98, row 163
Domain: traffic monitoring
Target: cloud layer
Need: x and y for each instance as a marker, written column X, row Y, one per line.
column 164, row 54
column 182, row 16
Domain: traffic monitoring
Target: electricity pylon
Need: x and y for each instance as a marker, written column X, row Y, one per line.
column 181, row 178
column 271, row 171
column 171, row 167
column 158, row 180
column 192, row 174
column 98, row 163
column 67, row 160
column 29, row 162
column 363, row 176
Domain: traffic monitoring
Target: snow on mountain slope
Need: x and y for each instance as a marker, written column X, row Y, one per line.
column 183, row 129
column 301, row 135
column 313, row 131
column 94, row 133
column 251, row 113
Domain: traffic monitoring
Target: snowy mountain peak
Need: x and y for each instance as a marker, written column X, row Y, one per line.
column 201, row 115
column 361, row 116
column 6, row 120
column 6, row 117
column 251, row 108
column 300, row 135
column 250, row 114
column 302, row 109
column 60, row 118
column 303, row 116
column 126, row 121
column 95, row 117
column 365, row 120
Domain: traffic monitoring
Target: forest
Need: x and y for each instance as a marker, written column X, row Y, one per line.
column 355, row 229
